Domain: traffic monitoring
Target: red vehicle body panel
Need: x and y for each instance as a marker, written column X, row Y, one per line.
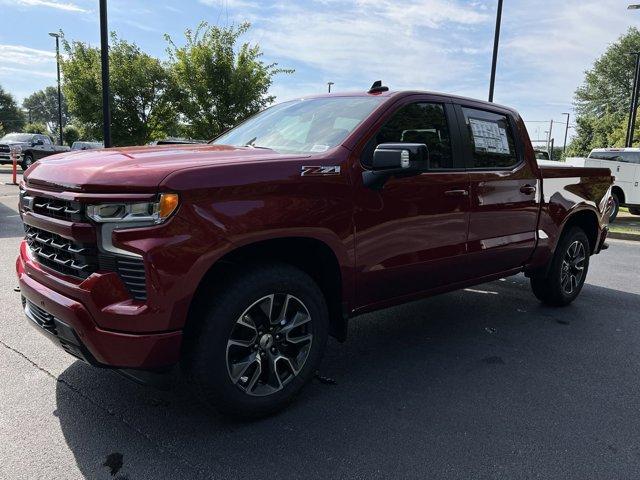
column 405, row 241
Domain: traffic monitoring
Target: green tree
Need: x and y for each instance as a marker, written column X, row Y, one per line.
column 218, row 83
column 11, row 116
column 71, row 133
column 43, row 108
column 35, row 127
column 139, row 85
column 602, row 101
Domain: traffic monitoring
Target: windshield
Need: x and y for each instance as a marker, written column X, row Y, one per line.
column 302, row 126
column 17, row 137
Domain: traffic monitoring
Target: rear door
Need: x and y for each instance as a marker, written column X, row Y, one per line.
column 504, row 190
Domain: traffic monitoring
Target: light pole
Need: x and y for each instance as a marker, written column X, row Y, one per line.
column 566, row 130
column 104, row 56
column 57, row 37
column 634, row 102
column 329, row 85
column 496, row 40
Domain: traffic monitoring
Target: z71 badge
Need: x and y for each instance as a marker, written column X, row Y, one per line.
column 328, row 170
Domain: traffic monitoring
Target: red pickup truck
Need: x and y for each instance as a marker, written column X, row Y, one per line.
column 236, row 259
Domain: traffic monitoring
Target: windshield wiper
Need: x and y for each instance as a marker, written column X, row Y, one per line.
column 251, row 144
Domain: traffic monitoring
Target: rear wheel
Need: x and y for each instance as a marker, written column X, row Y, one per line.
column 615, row 208
column 567, row 272
column 258, row 341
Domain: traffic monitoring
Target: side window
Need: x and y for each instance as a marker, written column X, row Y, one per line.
column 492, row 142
column 417, row 123
column 46, row 140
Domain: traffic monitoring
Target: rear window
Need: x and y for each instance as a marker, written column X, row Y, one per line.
column 616, row 156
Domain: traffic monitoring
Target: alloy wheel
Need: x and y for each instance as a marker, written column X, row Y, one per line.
column 572, row 270
column 269, row 344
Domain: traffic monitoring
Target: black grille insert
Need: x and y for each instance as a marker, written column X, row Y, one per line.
column 62, row 209
column 60, row 254
column 131, row 271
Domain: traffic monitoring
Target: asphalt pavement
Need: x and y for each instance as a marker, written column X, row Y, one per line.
column 483, row 383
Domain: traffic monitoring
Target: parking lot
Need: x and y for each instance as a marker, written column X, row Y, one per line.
column 480, row 383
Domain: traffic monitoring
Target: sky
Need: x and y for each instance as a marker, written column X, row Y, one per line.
column 436, row 45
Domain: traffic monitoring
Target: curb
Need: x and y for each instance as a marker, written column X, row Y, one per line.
column 624, row 236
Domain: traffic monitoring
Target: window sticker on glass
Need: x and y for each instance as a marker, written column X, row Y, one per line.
column 489, row 137
column 319, row 148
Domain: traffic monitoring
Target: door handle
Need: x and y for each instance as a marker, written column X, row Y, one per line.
column 528, row 189
column 456, row 193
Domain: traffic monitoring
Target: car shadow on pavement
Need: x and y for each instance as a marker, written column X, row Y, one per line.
column 481, row 383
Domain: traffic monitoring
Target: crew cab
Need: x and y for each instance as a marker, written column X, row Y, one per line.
column 30, row 147
column 235, row 260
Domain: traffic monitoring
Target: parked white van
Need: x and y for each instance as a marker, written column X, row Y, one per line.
column 624, row 164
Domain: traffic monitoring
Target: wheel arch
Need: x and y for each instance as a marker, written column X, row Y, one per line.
column 619, row 192
column 311, row 255
column 587, row 220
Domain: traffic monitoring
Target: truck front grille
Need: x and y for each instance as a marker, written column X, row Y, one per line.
column 5, row 148
column 81, row 260
column 61, row 209
column 60, row 254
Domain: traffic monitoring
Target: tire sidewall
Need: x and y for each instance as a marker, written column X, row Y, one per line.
column 26, row 164
column 616, row 208
column 209, row 362
column 575, row 234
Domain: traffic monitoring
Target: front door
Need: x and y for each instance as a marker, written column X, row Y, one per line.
column 504, row 190
column 411, row 235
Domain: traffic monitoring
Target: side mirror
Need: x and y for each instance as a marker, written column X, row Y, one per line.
column 395, row 159
column 38, row 142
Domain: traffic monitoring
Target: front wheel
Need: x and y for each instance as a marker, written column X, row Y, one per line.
column 258, row 341
column 27, row 161
column 567, row 272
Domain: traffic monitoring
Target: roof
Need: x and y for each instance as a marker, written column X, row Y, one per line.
column 617, row 149
column 402, row 93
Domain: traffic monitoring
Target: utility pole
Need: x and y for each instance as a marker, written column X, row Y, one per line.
column 329, row 85
column 57, row 37
column 496, row 40
column 566, row 130
column 634, row 102
column 104, row 56
column 549, row 137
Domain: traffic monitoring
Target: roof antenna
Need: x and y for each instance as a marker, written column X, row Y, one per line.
column 377, row 87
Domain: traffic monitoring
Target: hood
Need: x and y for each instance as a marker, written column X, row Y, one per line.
column 133, row 169
column 13, row 142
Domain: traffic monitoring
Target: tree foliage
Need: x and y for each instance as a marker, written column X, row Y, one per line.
column 11, row 117
column 602, row 101
column 71, row 133
column 43, row 108
column 218, row 83
column 35, row 127
column 139, row 85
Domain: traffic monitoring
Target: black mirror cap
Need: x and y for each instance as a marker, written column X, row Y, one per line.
column 401, row 157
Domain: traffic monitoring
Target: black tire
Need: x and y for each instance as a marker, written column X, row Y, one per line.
column 615, row 208
column 27, row 161
column 552, row 288
column 209, row 359
column 634, row 210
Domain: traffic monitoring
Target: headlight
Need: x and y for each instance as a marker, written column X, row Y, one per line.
column 140, row 212
column 17, row 149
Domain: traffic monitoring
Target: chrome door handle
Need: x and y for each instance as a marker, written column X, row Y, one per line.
column 456, row 193
column 528, row 189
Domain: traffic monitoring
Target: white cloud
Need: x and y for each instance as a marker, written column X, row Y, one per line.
column 66, row 6
column 21, row 55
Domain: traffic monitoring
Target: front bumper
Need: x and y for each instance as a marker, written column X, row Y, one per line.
column 68, row 323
